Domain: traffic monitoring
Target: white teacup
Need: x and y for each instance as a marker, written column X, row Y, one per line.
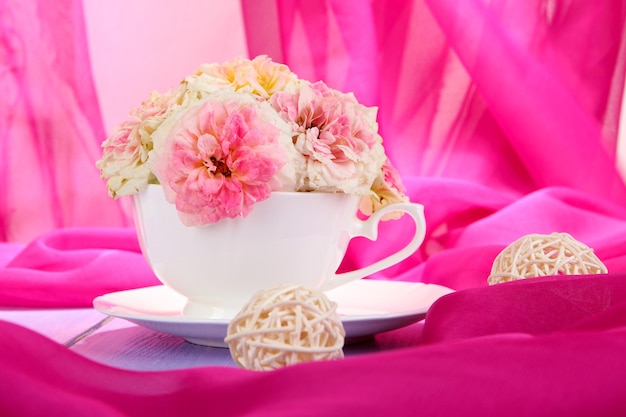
column 292, row 237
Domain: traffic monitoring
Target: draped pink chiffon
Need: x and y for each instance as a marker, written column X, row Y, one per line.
column 50, row 123
column 502, row 118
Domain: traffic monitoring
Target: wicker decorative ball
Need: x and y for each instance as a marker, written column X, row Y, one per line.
column 538, row 255
column 283, row 326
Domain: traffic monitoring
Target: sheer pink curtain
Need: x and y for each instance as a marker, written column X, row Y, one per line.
column 50, row 123
column 516, row 95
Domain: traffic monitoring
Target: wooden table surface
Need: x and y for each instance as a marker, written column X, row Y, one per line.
column 119, row 343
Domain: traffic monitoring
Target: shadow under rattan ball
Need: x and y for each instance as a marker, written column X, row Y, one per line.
column 538, row 255
column 283, row 326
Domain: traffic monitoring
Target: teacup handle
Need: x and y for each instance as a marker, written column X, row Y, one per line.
column 369, row 229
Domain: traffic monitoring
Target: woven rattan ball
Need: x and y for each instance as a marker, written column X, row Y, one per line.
column 283, row 326
column 538, row 255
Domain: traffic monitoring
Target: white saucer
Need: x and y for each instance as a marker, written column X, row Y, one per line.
column 366, row 307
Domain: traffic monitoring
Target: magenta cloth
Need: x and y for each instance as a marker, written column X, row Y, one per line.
column 537, row 307
column 76, row 265
column 492, row 369
column 502, row 118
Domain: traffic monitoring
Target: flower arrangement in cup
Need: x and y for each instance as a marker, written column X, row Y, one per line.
column 232, row 133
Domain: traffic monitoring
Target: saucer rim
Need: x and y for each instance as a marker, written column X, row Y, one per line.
column 357, row 326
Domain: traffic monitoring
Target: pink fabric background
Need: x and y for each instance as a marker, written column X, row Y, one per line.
column 50, row 125
column 502, row 118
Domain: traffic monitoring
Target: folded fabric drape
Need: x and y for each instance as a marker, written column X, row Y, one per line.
column 76, row 265
column 488, row 361
column 535, row 307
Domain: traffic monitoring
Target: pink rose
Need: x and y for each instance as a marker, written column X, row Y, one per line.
column 125, row 152
column 337, row 136
column 218, row 157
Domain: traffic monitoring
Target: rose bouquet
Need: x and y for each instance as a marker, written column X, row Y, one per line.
column 233, row 133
